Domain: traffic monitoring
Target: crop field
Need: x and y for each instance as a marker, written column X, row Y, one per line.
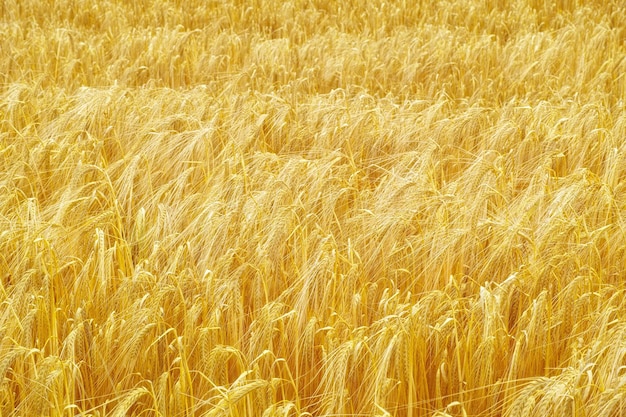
column 313, row 208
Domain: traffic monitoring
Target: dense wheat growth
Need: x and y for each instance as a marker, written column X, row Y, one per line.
column 312, row 208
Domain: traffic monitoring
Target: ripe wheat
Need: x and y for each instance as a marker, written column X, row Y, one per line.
column 312, row 208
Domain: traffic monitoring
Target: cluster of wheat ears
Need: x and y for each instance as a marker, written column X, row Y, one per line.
column 312, row 208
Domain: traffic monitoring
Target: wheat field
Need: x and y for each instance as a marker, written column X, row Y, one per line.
column 313, row 208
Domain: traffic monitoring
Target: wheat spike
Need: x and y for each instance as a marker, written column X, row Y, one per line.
column 127, row 401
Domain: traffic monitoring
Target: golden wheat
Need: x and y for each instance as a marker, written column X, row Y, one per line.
column 307, row 207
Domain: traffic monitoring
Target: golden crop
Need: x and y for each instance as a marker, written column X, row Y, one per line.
column 312, row 208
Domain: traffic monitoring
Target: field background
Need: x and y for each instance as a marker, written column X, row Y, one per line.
column 312, row 208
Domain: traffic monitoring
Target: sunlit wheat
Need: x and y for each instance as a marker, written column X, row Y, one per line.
column 312, row 208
